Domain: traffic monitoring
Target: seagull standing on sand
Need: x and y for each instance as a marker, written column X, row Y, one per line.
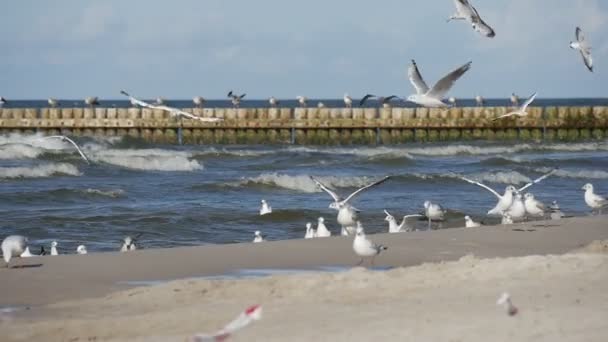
column 273, row 102
column 64, row 138
column 172, row 111
column 54, row 248
column 53, row 102
column 514, row 100
column 12, row 247
column 517, row 210
column 81, row 249
column 236, row 99
column 347, row 214
column 432, row 97
column 302, row 101
column 521, row 111
column 383, row 101
column 310, row 231
column 265, row 208
column 393, row 227
column 433, row 212
column 364, row 247
column 258, row 237
column 348, row 101
column 479, row 100
column 322, row 230
column 594, row 201
column 505, row 201
column 469, row 223
column 128, row 245
column 582, row 45
column 199, row 101
column 91, row 101
column 533, row 206
column 466, row 11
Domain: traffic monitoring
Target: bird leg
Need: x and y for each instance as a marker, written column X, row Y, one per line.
column 429, row 224
column 360, row 262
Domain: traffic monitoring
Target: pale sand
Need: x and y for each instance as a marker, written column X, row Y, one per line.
column 560, row 297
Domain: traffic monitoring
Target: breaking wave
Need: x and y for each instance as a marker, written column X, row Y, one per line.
column 580, row 174
column 148, row 159
column 304, row 183
column 39, row 171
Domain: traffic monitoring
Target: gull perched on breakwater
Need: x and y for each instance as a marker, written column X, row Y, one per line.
column 364, row 247
column 160, row 101
column 302, row 101
column 322, row 230
column 12, row 247
column 505, row 201
column 235, row 99
column 432, row 97
column 54, row 248
column 3, row 101
column 433, row 212
column 310, row 231
column 393, row 227
column 64, row 138
column 91, row 101
column 479, row 100
column 469, row 223
column 347, row 214
column 81, row 249
column 348, row 101
column 582, row 45
column 452, row 100
column 594, row 201
column 514, row 99
column 521, row 111
column 273, row 102
column 53, row 102
column 265, row 208
column 170, row 110
column 199, row 101
column 466, row 11
column 258, row 237
column 383, row 101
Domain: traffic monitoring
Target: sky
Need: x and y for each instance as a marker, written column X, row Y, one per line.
column 178, row 49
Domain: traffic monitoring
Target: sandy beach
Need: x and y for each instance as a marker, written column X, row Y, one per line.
column 429, row 286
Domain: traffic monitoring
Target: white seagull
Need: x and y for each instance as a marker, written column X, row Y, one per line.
column 3, row 101
column 310, row 231
column 364, row 247
column 433, row 97
column 81, row 249
column 258, row 237
column 199, row 101
column 320, row 105
column 53, row 102
column 12, row 247
column 265, row 208
column 170, row 110
column 466, row 11
column 64, row 138
column 517, row 210
column 383, row 101
column 322, row 230
column 433, row 212
column 505, row 201
column 160, row 101
column 479, row 100
column 393, row 227
column 347, row 214
column 533, row 206
column 302, row 101
column 582, row 45
column 521, row 111
column 91, row 101
column 594, row 201
column 469, row 223
column 273, row 102
column 54, row 248
column 514, row 99
column 348, row 101
column 556, row 213
column 236, row 99
column 506, row 219
column 128, row 244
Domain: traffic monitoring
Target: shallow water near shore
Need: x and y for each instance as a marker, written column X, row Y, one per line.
column 194, row 195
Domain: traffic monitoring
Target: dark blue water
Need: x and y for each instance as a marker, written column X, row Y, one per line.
column 292, row 103
column 192, row 195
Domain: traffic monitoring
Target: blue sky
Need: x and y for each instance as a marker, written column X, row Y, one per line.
column 321, row 49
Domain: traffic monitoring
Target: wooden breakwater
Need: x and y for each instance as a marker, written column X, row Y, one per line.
column 314, row 125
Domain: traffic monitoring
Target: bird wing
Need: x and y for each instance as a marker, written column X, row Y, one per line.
column 586, row 54
column 241, row 96
column 365, row 98
column 443, row 85
column 387, row 99
column 63, row 137
column 482, row 185
column 580, row 36
column 478, row 24
column 416, row 79
column 333, row 195
column 527, row 103
column 366, row 187
column 179, row 112
column 387, row 213
column 406, row 217
column 137, row 101
column 463, row 8
column 539, row 179
column 506, row 115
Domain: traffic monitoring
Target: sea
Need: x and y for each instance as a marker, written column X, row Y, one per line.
column 191, row 195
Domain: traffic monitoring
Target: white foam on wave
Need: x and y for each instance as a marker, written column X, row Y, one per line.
column 303, row 183
column 39, row 171
column 234, row 152
column 18, row 146
column 509, row 178
column 105, row 193
column 148, row 159
column 579, row 174
column 370, row 152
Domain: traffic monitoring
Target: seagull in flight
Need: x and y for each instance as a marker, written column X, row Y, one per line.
column 582, row 45
column 466, row 11
column 433, row 97
column 171, row 110
column 347, row 214
column 521, row 111
column 384, row 101
column 505, row 201
column 64, row 138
